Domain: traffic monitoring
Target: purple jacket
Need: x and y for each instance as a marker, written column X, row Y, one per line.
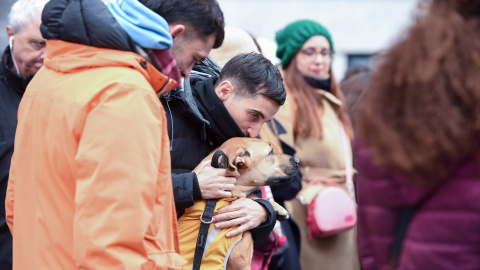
column 444, row 232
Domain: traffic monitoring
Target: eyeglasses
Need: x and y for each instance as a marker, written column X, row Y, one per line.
column 311, row 53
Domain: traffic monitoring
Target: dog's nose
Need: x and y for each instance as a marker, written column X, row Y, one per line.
column 296, row 160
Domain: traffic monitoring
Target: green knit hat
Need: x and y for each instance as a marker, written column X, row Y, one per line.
column 291, row 38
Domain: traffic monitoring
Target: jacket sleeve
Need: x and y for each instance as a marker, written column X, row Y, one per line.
column 289, row 190
column 118, row 162
column 185, row 189
column 9, row 200
column 261, row 232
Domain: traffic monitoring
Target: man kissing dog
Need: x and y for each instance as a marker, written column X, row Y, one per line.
column 206, row 112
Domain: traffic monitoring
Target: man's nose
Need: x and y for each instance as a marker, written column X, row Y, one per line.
column 43, row 53
column 254, row 131
column 186, row 72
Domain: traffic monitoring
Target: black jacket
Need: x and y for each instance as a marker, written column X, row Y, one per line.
column 198, row 122
column 12, row 87
column 289, row 258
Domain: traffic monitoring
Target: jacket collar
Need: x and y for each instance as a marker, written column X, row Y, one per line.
column 185, row 93
column 330, row 97
column 17, row 82
column 222, row 126
column 199, row 95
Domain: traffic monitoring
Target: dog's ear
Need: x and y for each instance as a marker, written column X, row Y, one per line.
column 231, row 158
column 239, row 161
column 231, row 165
column 238, row 158
column 242, row 160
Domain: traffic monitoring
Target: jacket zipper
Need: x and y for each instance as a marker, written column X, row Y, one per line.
column 168, row 98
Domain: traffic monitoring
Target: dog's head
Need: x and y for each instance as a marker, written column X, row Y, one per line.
column 257, row 164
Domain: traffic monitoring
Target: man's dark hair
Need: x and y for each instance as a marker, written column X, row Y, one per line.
column 253, row 74
column 205, row 16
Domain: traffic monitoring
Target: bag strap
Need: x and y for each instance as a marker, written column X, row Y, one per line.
column 266, row 193
column 400, row 231
column 348, row 169
column 348, row 161
column 324, row 181
column 407, row 214
column 207, row 216
column 203, row 233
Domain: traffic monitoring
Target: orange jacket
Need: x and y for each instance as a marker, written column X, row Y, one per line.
column 90, row 184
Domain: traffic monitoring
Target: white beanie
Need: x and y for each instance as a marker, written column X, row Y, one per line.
column 236, row 41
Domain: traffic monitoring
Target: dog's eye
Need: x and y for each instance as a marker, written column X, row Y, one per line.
column 271, row 153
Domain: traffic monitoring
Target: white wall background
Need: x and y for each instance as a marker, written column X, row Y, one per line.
column 357, row 26
column 5, row 6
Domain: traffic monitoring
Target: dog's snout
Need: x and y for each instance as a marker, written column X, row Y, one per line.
column 296, row 160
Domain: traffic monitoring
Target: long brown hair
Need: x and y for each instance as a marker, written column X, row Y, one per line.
column 307, row 118
column 421, row 111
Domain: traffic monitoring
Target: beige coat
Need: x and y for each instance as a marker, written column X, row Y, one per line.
column 320, row 159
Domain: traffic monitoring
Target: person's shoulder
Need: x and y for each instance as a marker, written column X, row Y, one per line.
column 196, row 76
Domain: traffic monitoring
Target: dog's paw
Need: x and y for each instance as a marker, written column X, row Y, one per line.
column 284, row 215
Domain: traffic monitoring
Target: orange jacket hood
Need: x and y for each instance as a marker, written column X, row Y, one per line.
column 66, row 57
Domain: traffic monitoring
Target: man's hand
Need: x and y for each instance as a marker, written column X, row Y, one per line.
column 244, row 212
column 214, row 183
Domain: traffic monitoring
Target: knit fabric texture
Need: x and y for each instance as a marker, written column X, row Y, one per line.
column 291, row 38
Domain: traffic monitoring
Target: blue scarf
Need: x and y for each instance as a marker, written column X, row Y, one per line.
column 143, row 25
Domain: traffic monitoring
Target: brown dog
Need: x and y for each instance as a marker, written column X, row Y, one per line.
column 257, row 165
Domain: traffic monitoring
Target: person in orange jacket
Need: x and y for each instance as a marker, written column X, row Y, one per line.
column 20, row 60
column 90, row 184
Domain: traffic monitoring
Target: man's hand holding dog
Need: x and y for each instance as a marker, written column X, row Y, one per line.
column 215, row 183
column 246, row 213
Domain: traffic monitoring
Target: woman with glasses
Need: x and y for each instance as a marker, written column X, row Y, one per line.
column 313, row 116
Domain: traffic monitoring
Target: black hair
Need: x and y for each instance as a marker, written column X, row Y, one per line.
column 205, row 16
column 253, row 74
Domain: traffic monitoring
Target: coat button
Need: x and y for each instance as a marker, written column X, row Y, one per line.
column 143, row 63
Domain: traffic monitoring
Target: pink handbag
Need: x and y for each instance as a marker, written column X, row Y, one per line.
column 332, row 209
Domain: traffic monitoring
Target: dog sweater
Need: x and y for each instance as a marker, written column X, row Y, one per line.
column 218, row 246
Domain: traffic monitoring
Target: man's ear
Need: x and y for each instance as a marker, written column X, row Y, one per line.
column 225, row 90
column 9, row 31
column 176, row 30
